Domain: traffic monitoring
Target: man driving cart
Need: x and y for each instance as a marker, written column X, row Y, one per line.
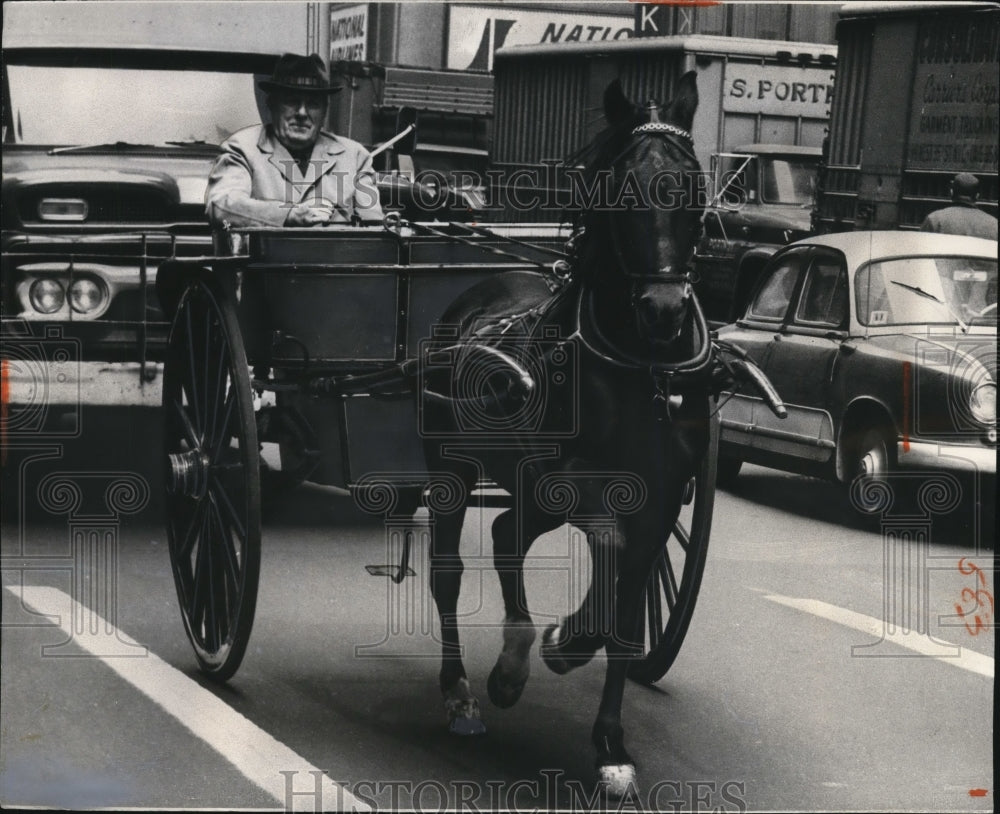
column 289, row 171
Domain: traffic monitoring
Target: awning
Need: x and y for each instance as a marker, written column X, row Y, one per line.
column 438, row 91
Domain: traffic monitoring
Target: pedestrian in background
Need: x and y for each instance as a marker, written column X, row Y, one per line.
column 963, row 217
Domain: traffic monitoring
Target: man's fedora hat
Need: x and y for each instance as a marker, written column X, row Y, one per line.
column 300, row 74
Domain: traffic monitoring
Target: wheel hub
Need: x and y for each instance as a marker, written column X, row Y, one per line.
column 872, row 465
column 188, row 473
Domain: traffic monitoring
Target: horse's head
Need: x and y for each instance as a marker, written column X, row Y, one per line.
column 651, row 220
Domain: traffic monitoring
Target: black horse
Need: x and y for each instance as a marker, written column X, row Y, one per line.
column 584, row 405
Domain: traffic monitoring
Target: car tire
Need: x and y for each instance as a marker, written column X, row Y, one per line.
column 871, row 462
column 728, row 471
column 873, row 457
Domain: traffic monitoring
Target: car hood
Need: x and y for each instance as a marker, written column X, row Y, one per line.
column 174, row 177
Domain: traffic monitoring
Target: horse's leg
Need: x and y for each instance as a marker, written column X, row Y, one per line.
column 510, row 545
column 642, row 542
column 461, row 706
column 576, row 638
column 645, row 532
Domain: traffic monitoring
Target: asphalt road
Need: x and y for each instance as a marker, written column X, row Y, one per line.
column 826, row 668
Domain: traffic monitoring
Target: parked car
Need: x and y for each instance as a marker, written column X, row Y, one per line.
column 883, row 346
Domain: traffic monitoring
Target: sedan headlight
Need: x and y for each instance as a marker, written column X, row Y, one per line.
column 47, row 296
column 983, row 403
column 85, row 296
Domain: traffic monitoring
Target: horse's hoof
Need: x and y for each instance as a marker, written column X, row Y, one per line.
column 467, row 726
column 550, row 651
column 510, row 673
column 462, row 710
column 617, row 780
column 501, row 694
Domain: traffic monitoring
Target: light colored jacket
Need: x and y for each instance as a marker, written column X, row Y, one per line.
column 961, row 219
column 255, row 181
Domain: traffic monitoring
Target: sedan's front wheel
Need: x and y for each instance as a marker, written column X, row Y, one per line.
column 872, row 461
column 873, row 455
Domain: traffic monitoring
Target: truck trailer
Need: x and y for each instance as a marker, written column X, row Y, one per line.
column 918, row 86
column 763, row 112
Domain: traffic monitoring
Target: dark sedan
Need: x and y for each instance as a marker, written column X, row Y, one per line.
column 883, row 346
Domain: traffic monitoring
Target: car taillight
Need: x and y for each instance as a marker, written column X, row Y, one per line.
column 85, row 296
column 47, row 296
column 983, row 403
column 63, row 209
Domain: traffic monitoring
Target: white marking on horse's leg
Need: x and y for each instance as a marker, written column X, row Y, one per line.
column 617, row 780
column 462, row 708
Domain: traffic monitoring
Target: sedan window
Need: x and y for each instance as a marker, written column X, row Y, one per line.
column 824, row 294
column 922, row 290
column 775, row 295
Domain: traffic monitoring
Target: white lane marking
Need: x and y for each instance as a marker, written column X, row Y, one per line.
column 957, row 656
column 260, row 757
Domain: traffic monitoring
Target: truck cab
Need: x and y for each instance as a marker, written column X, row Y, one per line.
column 106, row 155
column 762, row 199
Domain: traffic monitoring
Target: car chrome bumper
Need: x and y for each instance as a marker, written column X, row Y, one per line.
column 951, row 457
column 70, row 383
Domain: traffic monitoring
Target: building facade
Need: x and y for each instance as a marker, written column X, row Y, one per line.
column 464, row 35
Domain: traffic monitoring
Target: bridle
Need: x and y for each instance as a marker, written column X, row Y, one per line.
column 681, row 139
column 587, row 328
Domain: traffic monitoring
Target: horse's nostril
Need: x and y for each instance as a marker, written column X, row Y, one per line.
column 648, row 309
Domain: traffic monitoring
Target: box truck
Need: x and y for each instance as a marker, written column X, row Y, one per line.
column 763, row 111
column 918, row 86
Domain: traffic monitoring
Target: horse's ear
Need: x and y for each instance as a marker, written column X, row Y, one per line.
column 617, row 107
column 685, row 101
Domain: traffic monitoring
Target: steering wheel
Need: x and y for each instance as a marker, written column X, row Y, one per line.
column 989, row 309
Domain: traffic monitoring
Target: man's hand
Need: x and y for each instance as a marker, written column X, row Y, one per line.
column 314, row 213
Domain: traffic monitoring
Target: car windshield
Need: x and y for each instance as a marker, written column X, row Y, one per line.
column 927, row 290
column 78, row 105
column 788, row 180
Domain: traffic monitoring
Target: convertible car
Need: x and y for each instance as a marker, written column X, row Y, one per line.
column 883, row 346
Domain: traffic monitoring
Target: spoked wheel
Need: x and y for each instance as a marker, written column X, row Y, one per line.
column 213, row 480
column 674, row 581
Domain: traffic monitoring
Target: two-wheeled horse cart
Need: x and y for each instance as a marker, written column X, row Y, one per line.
column 310, row 337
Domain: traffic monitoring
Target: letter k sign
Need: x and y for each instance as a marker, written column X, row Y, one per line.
column 647, row 19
